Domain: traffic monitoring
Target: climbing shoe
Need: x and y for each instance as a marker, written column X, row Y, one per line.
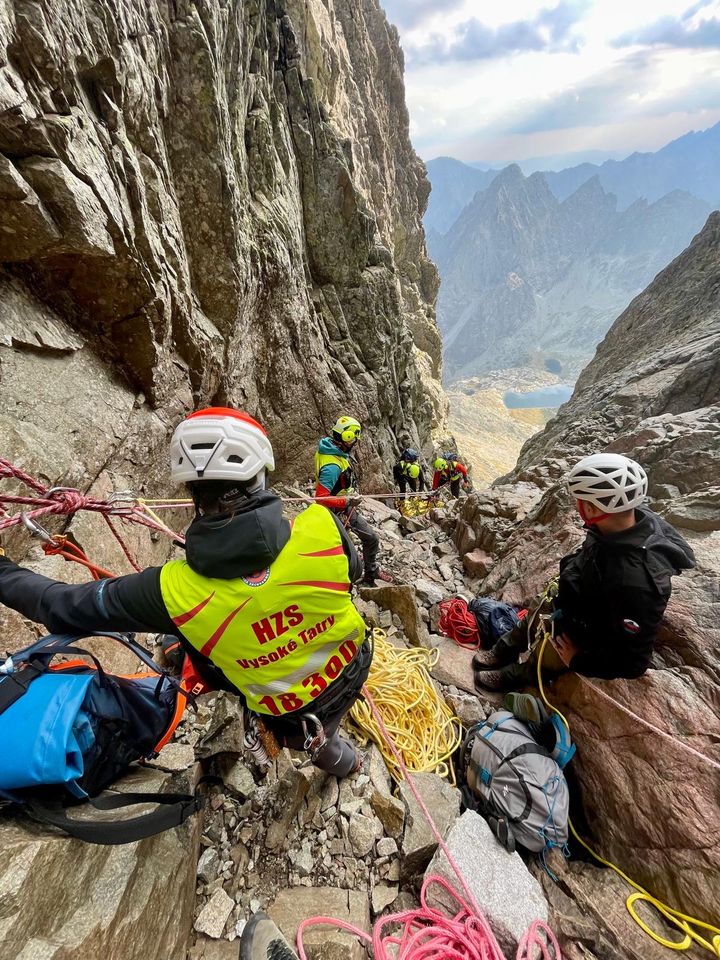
column 262, row 940
column 526, row 707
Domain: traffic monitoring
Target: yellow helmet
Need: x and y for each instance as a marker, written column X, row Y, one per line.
column 413, row 470
column 347, row 429
column 441, row 464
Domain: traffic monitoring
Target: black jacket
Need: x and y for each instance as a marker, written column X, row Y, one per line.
column 613, row 592
column 216, row 546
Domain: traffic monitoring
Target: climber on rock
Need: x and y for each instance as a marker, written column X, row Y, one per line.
column 450, row 471
column 407, row 472
column 612, row 592
column 262, row 608
column 336, row 489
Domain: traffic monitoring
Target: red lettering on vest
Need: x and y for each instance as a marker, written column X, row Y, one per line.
column 269, row 628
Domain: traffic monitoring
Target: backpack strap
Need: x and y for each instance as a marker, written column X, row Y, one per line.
column 173, row 809
column 15, row 685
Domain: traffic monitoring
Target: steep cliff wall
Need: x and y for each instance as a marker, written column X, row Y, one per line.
column 208, row 202
column 652, row 392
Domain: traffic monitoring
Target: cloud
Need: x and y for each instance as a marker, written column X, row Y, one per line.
column 411, row 14
column 549, row 30
column 689, row 31
column 628, row 89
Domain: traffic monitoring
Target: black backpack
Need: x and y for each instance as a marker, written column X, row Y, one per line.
column 70, row 729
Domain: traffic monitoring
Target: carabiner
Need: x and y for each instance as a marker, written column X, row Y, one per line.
column 36, row 529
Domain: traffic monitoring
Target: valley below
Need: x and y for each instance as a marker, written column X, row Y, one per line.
column 490, row 421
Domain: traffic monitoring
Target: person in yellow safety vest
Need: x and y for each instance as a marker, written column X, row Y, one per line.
column 261, row 605
column 336, row 489
column 407, row 472
column 452, row 472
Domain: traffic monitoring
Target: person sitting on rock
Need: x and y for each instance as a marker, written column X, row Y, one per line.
column 336, row 489
column 407, row 472
column 262, row 608
column 612, row 592
column 450, row 471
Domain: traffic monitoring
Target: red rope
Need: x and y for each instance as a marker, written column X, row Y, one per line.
column 125, row 549
column 459, row 623
column 49, row 502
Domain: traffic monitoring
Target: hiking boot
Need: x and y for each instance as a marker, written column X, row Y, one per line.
column 372, row 575
column 261, row 940
column 491, row 679
column 501, row 655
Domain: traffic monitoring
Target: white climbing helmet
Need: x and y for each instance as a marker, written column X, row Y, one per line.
column 219, row 443
column 609, row 481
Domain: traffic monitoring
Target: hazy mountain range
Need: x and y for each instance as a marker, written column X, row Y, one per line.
column 527, row 278
column 692, row 163
column 535, row 269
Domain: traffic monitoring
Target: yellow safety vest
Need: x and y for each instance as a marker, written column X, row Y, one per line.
column 283, row 634
column 344, row 483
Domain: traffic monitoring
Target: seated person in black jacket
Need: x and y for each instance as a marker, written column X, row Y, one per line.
column 612, row 591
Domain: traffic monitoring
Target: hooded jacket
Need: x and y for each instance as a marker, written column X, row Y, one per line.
column 613, row 592
column 333, row 483
column 216, row 546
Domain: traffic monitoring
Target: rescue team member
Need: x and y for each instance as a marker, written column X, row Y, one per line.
column 262, row 607
column 407, row 472
column 450, row 471
column 612, row 591
column 336, row 489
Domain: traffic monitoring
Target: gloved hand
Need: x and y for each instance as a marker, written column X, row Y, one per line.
column 354, row 500
column 467, row 486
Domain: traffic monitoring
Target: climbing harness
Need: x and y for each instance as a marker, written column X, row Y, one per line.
column 425, row 729
column 688, row 925
column 458, row 623
column 429, row 933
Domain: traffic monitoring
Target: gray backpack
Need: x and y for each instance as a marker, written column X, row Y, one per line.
column 515, row 784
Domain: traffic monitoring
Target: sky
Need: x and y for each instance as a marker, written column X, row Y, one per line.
column 499, row 80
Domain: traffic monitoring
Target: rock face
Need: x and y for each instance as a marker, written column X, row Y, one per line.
column 208, row 203
column 65, row 898
column 652, row 392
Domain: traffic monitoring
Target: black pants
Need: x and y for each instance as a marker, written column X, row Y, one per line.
column 404, row 482
column 454, row 487
column 369, row 539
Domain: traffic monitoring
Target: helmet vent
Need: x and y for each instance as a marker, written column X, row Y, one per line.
column 234, row 458
column 202, row 446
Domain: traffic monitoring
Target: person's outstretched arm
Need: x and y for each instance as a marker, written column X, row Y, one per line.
column 130, row 603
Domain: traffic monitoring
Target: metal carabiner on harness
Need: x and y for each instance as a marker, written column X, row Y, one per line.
column 314, row 743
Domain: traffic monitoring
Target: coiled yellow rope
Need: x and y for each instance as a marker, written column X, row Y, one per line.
column 423, row 727
column 687, row 924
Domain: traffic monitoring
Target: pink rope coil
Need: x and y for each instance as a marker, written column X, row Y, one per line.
column 428, row 933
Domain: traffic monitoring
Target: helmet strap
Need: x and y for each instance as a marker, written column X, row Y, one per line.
column 590, row 521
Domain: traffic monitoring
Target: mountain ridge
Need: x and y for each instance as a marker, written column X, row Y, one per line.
column 524, row 274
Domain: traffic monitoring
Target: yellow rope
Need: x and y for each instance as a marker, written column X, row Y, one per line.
column 424, row 728
column 683, row 921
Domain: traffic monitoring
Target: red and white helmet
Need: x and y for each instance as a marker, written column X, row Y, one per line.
column 609, row 481
column 219, row 443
